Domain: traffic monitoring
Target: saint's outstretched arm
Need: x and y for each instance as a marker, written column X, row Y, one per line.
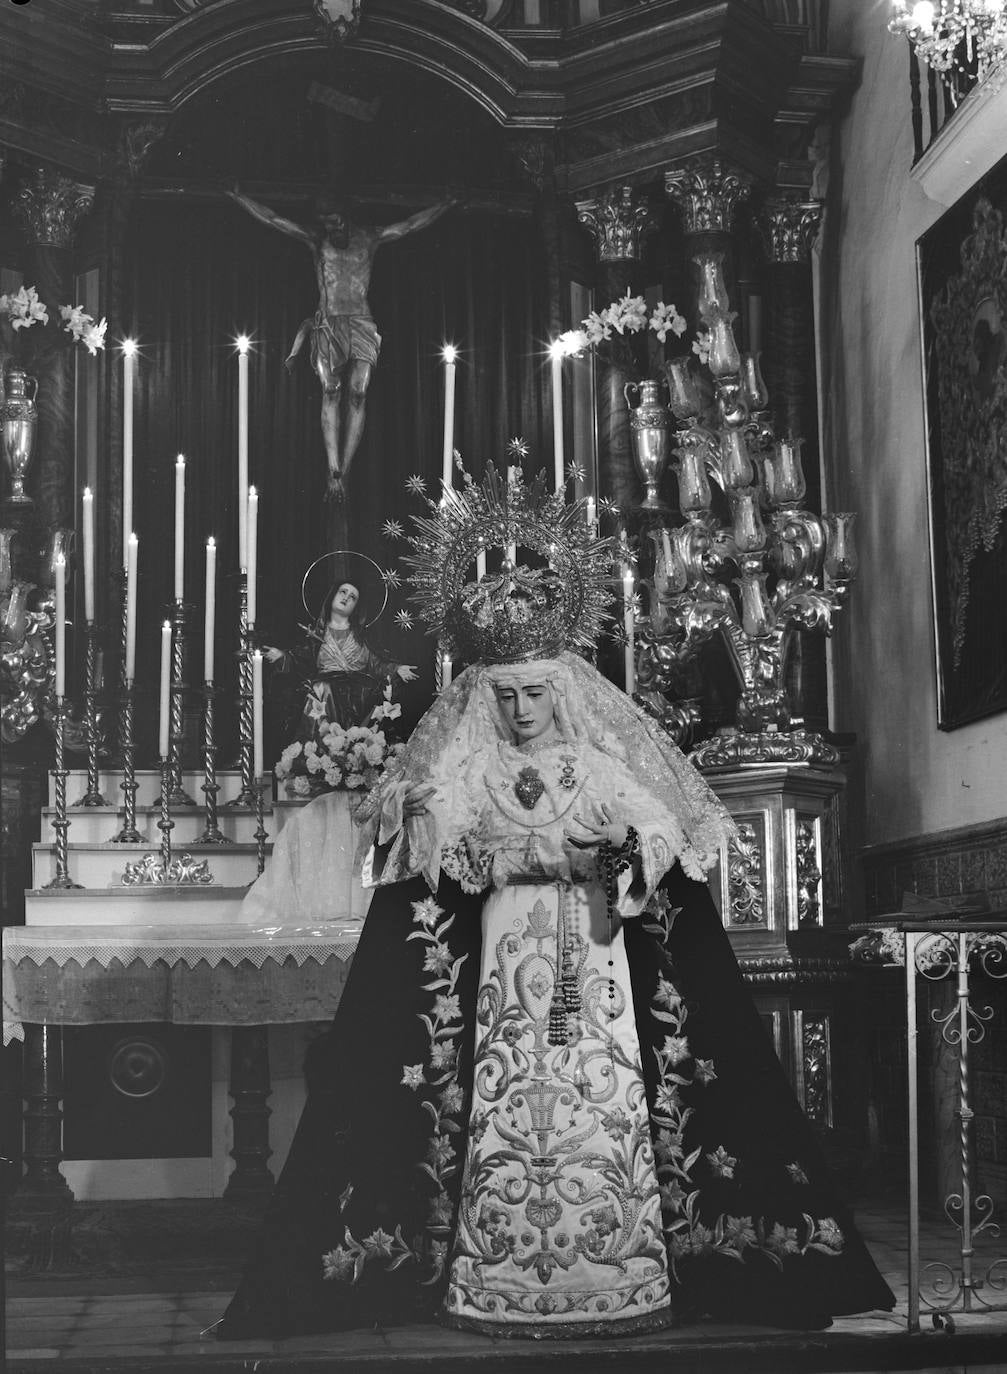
column 420, row 220
column 269, row 217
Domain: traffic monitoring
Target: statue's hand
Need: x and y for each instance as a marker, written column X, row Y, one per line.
column 406, row 672
column 334, row 490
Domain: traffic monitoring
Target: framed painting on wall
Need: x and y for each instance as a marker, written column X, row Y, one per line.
column 962, row 263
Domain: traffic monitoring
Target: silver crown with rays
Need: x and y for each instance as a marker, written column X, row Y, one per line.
column 556, row 600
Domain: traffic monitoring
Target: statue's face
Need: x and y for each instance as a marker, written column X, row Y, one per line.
column 336, row 226
column 345, row 600
column 527, row 710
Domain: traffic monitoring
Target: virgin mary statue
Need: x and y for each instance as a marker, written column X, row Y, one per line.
column 547, row 1106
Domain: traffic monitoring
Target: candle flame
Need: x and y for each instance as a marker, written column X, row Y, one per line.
column 449, row 353
column 243, row 343
column 557, row 349
column 211, row 543
column 133, row 539
column 180, row 460
column 129, row 348
column 87, row 494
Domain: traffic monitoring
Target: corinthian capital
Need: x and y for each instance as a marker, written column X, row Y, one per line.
column 707, row 194
column 789, row 228
column 618, row 222
column 50, row 206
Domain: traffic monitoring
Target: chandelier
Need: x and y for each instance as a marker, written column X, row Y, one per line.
column 964, row 36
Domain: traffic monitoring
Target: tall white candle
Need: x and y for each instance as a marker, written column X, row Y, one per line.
column 558, row 461
column 629, row 622
column 128, row 375
column 88, row 524
column 164, row 718
column 445, row 671
column 592, row 515
column 211, row 606
column 59, row 567
column 180, row 528
column 132, row 551
column 257, row 713
column 449, row 354
column 242, row 344
column 252, row 526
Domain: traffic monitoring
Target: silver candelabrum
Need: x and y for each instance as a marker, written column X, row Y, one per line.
column 757, row 572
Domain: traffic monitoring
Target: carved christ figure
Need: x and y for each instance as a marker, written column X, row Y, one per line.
column 344, row 339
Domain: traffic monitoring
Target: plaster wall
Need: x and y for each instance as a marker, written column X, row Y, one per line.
column 909, row 778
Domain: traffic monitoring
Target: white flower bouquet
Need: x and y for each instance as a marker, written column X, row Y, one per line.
column 22, row 310
column 350, row 760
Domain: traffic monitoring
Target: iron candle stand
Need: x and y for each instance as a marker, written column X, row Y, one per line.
column 246, row 797
column 260, row 829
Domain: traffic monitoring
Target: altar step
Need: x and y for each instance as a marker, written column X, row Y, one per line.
column 103, row 865
column 100, row 824
column 148, row 788
column 148, row 906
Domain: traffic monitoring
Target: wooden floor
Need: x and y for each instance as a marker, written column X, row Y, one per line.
column 156, row 1319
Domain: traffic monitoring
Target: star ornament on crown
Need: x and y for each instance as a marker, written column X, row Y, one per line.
column 555, row 598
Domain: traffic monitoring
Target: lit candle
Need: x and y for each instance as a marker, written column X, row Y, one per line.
column 257, row 713
column 164, row 718
column 252, row 528
column 132, row 551
column 180, row 528
column 242, row 343
column 88, row 522
column 592, row 515
column 630, row 627
column 59, row 567
column 211, row 603
column 556, row 351
column 128, row 374
column 445, row 671
column 450, row 354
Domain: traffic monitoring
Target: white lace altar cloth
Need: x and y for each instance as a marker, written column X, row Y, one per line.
column 236, row 974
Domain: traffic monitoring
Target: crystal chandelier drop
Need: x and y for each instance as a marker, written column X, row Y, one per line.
column 966, row 36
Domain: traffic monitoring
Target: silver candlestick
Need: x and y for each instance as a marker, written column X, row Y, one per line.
column 92, row 797
column 166, row 825
column 246, row 797
column 212, row 833
column 129, row 833
column 179, row 797
column 260, row 829
column 61, row 823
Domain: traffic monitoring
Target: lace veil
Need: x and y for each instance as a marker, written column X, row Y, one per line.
column 450, row 748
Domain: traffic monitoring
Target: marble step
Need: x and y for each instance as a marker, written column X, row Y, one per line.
column 199, row 906
column 101, row 865
column 100, row 824
column 149, row 785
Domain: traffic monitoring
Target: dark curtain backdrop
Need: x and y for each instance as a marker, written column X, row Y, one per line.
column 202, row 274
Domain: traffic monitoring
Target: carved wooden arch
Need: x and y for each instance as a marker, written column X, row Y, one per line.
column 218, row 39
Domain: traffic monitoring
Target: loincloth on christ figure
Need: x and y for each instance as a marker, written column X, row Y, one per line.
column 337, row 340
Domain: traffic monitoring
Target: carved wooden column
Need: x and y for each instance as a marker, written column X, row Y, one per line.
column 707, row 195
column 618, row 222
column 43, row 1186
column 250, row 1089
column 49, row 208
column 789, row 228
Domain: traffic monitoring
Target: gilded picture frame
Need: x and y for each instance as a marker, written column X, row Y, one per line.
column 962, row 266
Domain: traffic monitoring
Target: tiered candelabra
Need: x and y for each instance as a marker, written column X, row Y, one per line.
column 747, row 567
